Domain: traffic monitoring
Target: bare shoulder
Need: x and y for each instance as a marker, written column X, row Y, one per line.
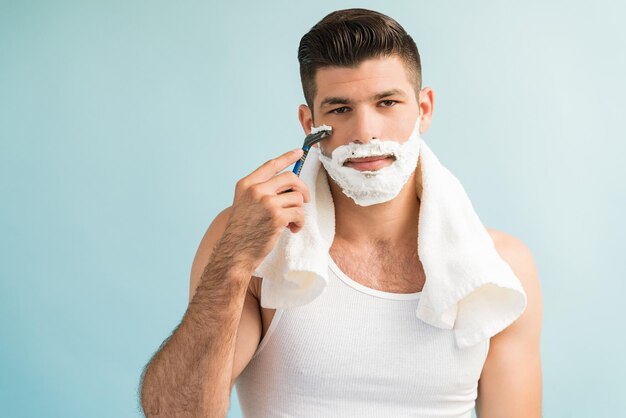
column 508, row 244
column 511, row 380
column 521, row 260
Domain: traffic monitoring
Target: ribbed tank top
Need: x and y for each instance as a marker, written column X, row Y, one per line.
column 359, row 352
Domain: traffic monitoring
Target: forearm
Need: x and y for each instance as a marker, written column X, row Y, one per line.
column 190, row 376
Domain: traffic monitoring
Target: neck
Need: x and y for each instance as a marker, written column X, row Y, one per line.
column 393, row 222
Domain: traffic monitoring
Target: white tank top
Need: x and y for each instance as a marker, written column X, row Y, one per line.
column 359, row 352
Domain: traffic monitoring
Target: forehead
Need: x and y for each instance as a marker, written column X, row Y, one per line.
column 370, row 77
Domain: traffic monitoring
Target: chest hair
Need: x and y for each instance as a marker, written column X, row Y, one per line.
column 381, row 266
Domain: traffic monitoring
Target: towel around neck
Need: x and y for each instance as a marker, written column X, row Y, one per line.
column 469, row 288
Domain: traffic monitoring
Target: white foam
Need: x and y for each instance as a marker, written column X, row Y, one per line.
column 367, row 188
column 316, row 129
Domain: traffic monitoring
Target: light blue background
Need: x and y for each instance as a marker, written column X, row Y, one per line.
column 124, row 126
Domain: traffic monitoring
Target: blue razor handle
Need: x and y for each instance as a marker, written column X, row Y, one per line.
column 298, row 167
column 309, row 141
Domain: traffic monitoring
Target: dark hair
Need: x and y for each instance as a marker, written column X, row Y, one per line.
column 346, row 38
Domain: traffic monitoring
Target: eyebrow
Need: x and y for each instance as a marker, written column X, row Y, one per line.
column 328, row 101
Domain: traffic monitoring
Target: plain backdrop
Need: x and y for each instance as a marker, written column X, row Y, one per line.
column 124, row 126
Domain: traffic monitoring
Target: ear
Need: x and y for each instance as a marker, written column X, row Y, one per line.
column 427, row 103
column 306, row 118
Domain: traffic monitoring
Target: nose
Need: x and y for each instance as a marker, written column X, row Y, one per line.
column 365, row 127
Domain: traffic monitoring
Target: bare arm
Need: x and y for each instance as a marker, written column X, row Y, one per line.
column 511, row 384
column 192, row 373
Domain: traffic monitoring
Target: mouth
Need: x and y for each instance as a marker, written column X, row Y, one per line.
column 370, row 163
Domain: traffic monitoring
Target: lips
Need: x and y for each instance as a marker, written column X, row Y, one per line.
column 368, row 159
column 369, row 163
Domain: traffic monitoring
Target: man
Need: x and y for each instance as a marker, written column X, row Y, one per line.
column 361, row 74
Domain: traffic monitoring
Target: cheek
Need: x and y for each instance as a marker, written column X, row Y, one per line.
column 326, row 147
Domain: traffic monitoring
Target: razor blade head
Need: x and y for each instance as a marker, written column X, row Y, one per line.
column 312, row 139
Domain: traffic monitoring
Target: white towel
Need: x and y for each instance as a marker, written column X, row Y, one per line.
column 468, row 287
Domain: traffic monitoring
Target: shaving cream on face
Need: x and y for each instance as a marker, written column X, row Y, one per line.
column 368, row 188
column 316, row 129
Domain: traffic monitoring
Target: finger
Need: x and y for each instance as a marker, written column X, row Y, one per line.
column 294, row 218
column 288, row 200
column 294, row 228
column 275, row 165
column 288, row 182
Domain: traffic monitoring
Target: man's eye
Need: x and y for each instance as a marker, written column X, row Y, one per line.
column 339, row 110
column 389, row 103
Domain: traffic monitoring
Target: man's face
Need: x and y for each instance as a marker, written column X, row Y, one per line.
column 375, row 100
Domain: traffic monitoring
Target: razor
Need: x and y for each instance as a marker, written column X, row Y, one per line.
column 310, row 140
